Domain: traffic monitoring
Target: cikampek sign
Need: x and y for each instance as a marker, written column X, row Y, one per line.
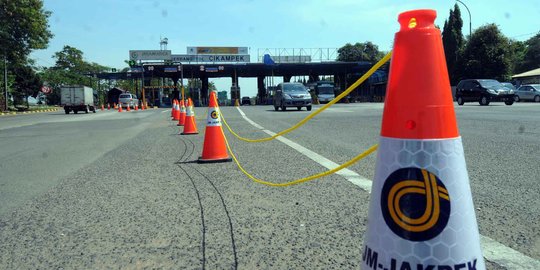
column 210, row 58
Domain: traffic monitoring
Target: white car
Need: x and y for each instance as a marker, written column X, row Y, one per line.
column 128, row 99
column 528, row 92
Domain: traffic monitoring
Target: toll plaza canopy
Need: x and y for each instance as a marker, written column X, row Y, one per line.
column 201, row 71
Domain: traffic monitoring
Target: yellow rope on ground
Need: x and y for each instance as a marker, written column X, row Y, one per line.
column 321, row 109
column 301, row 180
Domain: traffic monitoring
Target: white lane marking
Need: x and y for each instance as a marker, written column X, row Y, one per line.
column 493, row 250
column 338, row 110
column 351, row 176
column 505, row 256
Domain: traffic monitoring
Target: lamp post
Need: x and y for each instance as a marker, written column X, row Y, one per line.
column 468, row 11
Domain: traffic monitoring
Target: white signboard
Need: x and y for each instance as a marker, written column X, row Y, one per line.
column 149, row 55
column 217, row 50
column 210, row 58
column 291, row 58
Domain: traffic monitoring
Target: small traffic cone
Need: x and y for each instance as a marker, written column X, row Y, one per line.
column 142, row 106
column 177, row 111
column 173, row 109
column 182, row 117
column 214, row 148
column 136, row 107
column 115, row 106
column 190, row 126
column 108, row 106
column 421, row 213
column 128, row 108
column 119, row 107
column 102, row 107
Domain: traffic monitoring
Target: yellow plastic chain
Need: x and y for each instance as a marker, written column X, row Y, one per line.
column 321, row 109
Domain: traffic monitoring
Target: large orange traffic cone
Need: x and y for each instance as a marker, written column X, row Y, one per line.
column 119, row 107
column 182, row 117
column 128, row 108
column 421, row 213
column 190, row 126
column 214, row 148
column 136, row 107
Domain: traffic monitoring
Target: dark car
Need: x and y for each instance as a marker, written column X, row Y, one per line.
column 483, row 91
column 246, row 101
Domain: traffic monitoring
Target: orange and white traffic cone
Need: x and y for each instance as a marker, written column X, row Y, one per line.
column 173, row 109
column 128, row 108
column 182, row 116
column 214, row 148
column 421, row 213
column 136, row 107
column 115, row 106
column 190, row 126
column 119, row 107
column 108, row 106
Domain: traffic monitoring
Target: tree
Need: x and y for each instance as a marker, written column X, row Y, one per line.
column 23, row 27
column 366, row 51
column 453, row 41
column 27, row 82
column 485, row 55
column 70, row 69
column 531, row 57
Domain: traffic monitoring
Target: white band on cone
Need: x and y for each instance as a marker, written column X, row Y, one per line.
column 421, row 213
column 213, row 119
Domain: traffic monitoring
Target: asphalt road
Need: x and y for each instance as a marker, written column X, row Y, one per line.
column 120, row 190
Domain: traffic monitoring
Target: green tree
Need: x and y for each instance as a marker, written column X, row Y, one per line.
column 23, row 27
column 516, row 55
column 485, row 55
column 71, row 69
column 366, row 51
column 531, row 57
column 453, row 41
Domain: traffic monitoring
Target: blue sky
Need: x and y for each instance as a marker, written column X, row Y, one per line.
column 105, row 30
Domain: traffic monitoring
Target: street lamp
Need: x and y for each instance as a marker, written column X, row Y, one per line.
column 468, row 11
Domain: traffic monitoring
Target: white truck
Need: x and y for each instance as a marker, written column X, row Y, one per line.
column 77, row 99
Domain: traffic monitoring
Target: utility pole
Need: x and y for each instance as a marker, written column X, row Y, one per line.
column 470, row 23
column 5, row 84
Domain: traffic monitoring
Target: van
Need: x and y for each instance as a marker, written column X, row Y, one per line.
column 483, row 91
column 292, row 95
column 128, row 99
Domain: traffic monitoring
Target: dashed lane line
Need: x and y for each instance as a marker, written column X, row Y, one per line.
column 493, row 251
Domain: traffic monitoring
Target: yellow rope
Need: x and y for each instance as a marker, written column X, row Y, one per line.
column 321, row 109
column 301, row 180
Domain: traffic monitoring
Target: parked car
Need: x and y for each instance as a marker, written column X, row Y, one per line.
column 246, row 101
column 528, row 92
column 509, row 85
column 128, row 100
column 483, row 91
column 292, row 95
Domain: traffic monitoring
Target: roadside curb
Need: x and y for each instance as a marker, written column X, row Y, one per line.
column 27, row 112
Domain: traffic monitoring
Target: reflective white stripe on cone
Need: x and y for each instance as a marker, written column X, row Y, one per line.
column 421, row 212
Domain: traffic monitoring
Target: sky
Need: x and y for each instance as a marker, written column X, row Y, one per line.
column 105, row 30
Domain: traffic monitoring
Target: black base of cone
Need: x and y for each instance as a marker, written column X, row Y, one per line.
column 189, row 133
column 201, row 160
column 178, row 125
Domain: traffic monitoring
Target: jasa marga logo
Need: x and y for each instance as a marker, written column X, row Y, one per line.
column 415, row 204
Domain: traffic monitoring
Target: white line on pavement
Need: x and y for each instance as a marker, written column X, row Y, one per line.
column 493, row 250
column 351, row 176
